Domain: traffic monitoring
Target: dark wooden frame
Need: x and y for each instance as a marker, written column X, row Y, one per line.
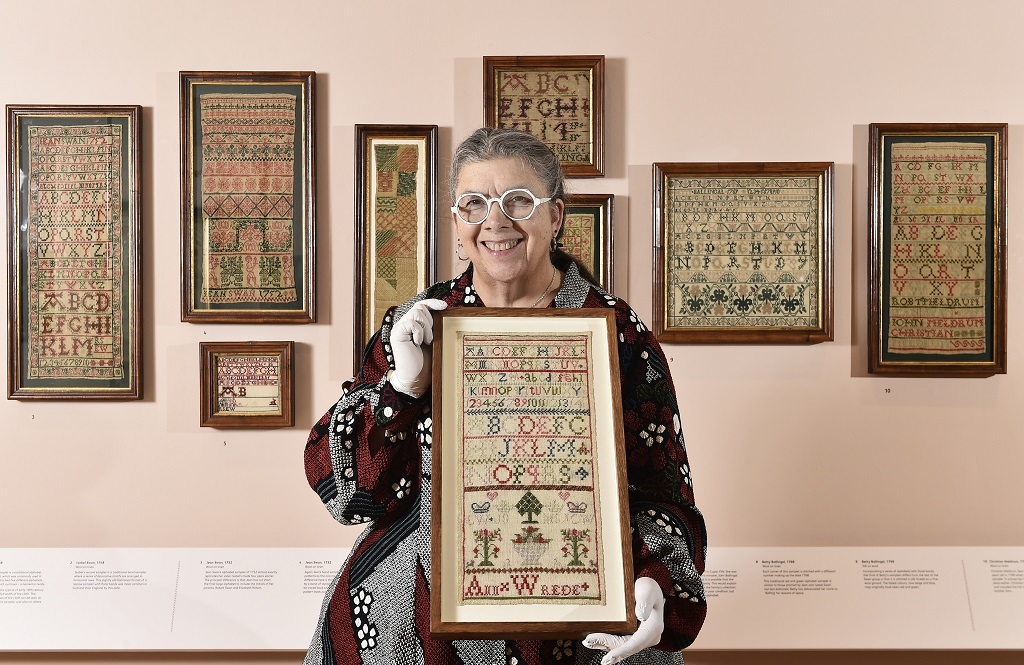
column 600, row 207
column 496, row 66
column 368, row 306
column 820, row 327
column 303, row 85
column 617, row 615
column 938, row 181
column 20, row 120
column 209, row 389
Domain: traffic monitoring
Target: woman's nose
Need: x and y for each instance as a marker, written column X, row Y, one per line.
column 495, row 216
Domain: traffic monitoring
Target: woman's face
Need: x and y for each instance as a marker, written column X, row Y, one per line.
column 503, row 250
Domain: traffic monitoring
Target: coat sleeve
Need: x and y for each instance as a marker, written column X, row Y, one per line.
column 669, row 536
column 361, row 458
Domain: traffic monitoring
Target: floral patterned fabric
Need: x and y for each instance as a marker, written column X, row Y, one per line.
column 369, row 459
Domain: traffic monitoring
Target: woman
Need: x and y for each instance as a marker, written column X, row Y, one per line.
column 369, row 457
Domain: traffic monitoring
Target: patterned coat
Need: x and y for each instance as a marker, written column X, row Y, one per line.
column 369, row 459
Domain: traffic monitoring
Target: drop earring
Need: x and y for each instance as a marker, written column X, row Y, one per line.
column 458, row 250
column 554, row 241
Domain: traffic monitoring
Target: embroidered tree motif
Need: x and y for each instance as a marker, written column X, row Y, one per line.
column 574, row 544
column 529, row 506
column 486, row 549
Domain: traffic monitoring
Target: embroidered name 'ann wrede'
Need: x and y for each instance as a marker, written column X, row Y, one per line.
column 529, row 529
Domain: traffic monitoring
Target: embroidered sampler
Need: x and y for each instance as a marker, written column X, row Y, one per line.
column 529, row 525
column 248, row 385
column 578, row 239
column 553, row 105
column 397, row 197
column 248, row 195
column 74, row 250
column 743, row 252
column 937, row 261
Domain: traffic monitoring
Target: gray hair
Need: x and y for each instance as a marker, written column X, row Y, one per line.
column 490, row 143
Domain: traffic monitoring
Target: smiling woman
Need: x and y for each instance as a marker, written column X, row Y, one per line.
column 369, row 458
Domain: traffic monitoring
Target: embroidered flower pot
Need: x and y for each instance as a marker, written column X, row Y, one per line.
column 531, row 551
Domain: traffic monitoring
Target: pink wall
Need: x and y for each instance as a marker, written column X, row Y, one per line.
column 790, row 446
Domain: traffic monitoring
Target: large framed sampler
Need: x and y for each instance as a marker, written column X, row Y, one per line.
column 248, row 192
column 937, row 250
column 743, row 252
column 530, row 523
column 559, row 99
column 74, row 242
column 395, row 233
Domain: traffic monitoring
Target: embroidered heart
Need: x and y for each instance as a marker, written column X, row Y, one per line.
column 492, row 495
column 563, row 495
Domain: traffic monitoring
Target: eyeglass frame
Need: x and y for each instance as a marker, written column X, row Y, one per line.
column 497, row 199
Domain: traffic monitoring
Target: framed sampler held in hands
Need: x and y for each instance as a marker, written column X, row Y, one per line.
column 530, row 525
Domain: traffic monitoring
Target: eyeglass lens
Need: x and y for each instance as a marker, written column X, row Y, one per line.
column 516, row 204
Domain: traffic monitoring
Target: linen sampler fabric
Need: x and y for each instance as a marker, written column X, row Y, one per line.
column 744, row 252
column 248, row 168
column 75, row 247
column 529, row 529
column 937, row 263
column 369, row 459
column 248, row 384
column 397, row 216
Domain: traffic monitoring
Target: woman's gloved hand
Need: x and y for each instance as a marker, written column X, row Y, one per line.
column 650, row 610
column 411, row 339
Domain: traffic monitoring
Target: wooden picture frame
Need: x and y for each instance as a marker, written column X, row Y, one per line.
column 248, row 195
column 937, row 249
column 501, row 377
column 588, row 234
column 558, row 99
column 74, row 244
column 395, row 221
column 247, row 384
column 743, row 252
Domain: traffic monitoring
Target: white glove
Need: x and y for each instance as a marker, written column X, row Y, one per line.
column 411, row 338
column 650, row 610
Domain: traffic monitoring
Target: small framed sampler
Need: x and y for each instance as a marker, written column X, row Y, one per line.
column 248, row 191
column 395, row 233
column 247, row 384
column 530, row 526
column 937, row 250
column 74, row 244
column 588, row 234
column 743, row 252
column 558, row 99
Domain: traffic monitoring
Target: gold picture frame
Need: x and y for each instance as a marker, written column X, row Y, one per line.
column 395, row 229
column 558, row 99
column 937, row 249
column 248, row 197
column 74, row 244
column 531, row 531
column 247, row 384
column 743, row 252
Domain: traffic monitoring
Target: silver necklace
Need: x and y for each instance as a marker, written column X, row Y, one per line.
column 548, row 289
